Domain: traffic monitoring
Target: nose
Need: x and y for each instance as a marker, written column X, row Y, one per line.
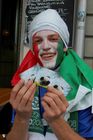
column 45, row 45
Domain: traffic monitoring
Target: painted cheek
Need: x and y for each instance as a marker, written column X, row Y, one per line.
column 60, row 52
column 36, row 49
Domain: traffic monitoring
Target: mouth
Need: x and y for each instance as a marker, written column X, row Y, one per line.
column 47, row 56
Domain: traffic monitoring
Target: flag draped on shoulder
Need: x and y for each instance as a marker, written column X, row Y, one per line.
column 79, row 76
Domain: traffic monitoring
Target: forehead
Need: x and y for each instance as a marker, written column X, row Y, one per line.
column 45, row 33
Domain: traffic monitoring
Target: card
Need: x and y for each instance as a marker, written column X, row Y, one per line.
column 44, row 77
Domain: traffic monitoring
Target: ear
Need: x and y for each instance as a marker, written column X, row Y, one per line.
column 65, row 49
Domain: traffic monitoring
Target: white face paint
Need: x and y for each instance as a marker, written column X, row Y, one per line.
column 47, row 43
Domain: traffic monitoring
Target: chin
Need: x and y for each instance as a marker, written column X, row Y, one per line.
column 49, row 65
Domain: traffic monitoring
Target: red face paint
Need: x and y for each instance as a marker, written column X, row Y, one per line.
column 36, row 50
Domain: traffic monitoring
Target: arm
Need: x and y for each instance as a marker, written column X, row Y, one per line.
column 21, row 100
column 59, row 126
column 55, row 105
column 19, row 130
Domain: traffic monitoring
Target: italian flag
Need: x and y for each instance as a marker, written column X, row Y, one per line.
column 80, row 77
column 74, row 71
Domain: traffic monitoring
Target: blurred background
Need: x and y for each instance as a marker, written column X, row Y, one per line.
column 14, row 17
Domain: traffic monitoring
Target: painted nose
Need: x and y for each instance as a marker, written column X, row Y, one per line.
column 45, row 45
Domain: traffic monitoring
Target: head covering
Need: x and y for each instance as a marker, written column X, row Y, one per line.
column 51, row 20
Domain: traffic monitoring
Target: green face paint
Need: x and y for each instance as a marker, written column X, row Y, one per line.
column 60, row 52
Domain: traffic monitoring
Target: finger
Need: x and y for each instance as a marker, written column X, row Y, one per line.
column 54, row 90
column 16, row 101
column 28, row 96
column 51, row 103
column 23, row 91
column 47, row 108
column 59, row 93
column 57, row 101
column 16, row 89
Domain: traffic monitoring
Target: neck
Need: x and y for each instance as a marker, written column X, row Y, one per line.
column 56, row 68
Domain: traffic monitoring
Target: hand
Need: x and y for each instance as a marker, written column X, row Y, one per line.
column 54, row 103
column 21, row 99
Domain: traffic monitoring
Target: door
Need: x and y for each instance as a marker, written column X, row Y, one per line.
column 9, row 40
column 9, row 56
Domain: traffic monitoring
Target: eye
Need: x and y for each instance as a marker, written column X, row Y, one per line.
column 53, row 38
column 37, row 40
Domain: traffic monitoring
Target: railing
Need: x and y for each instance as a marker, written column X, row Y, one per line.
column 4, row 95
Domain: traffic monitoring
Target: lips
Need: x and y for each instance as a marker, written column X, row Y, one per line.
column 47, row 56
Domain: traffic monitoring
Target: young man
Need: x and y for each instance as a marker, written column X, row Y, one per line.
column 49, row 38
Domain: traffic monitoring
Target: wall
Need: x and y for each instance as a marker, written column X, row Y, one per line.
column 88, row 48
column 88, row 40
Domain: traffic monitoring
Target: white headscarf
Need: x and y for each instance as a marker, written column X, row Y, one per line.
column 51, row 20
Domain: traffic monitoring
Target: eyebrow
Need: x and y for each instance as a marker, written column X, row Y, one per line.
column 53, row 34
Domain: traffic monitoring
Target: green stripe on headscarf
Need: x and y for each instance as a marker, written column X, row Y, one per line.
column 75, row 71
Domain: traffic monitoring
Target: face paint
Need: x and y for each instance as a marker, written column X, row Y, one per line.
column 47, row 46
column 60, row 52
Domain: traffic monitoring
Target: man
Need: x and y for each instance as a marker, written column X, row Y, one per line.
column 49, row 38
